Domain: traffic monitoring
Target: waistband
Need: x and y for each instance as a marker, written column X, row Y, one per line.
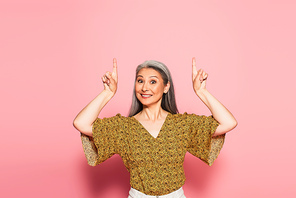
column 133, row 193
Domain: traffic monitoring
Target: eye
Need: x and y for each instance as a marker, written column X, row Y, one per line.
column 153, row 81
column 139, row 81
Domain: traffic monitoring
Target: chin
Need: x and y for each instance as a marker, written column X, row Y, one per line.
column 149, row 103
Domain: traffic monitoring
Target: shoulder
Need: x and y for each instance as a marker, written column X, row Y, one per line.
column 190, row 118
column 179, row 118
column 184, row 116
column 116, row 117
column 122, row 118
column 114, row 120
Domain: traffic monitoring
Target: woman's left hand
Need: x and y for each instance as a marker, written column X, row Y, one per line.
column 199, row 78
column 226, row 120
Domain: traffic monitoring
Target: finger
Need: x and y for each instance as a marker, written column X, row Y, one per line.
column 104, row 79
column 111, row 79
column 108, row 74
column 194, row 70
column 205, row 76
column 114, row 62
column 104, row 82
column 193, row 61
column 114, row 72
column 199, row 75
column 107, row 78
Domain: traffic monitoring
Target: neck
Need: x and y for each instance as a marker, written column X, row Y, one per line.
column 153, row 113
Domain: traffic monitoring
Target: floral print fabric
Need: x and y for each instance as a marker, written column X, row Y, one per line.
column 155, row 164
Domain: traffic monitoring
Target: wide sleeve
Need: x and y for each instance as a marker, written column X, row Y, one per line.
column 104, row 142
column 201, row 142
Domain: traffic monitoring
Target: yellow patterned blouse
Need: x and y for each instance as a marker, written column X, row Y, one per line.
column 155, row 164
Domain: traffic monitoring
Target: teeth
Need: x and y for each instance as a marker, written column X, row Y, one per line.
column 146, row 95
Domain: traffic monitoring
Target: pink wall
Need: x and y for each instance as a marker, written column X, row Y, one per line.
column 53, row 53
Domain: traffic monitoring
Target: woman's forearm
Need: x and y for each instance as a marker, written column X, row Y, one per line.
column 219, row 111
column 85, row 118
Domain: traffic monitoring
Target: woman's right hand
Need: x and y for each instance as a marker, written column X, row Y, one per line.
column 110, row 79
column 86, row 117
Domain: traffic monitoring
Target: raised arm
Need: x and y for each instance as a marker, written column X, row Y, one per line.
column 85, row 118
column 226, row 120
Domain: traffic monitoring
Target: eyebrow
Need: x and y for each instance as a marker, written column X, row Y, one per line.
column 149, row 76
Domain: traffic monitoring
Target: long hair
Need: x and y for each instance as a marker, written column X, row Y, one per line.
column 168, row 102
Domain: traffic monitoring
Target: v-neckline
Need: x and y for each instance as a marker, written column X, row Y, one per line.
column 146, row 131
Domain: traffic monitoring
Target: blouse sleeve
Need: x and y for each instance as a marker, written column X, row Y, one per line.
column 201, row 143
column 103, row 144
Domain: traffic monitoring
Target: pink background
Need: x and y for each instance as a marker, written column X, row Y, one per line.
column 53, row 53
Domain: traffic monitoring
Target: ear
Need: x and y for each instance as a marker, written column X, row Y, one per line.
column 167, row 87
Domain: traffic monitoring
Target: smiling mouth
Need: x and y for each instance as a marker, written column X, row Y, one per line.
column 145, row 95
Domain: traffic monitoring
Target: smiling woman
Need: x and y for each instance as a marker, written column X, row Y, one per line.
column 162, row 73
column 149, row 87
column 153, row 140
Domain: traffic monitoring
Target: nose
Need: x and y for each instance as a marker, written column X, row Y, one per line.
column 145, row 87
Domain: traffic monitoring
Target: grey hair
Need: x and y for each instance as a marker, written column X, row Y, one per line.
column 168, row 102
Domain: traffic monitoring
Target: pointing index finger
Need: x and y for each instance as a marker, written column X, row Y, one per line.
column 114, row 65
column 193, row 62
column 194, row 70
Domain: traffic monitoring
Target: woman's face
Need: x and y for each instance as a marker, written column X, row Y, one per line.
column 149, row 87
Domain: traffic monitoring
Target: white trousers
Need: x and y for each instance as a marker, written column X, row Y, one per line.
column 133, row 193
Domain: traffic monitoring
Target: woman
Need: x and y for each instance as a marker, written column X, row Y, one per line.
column 154, row 139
